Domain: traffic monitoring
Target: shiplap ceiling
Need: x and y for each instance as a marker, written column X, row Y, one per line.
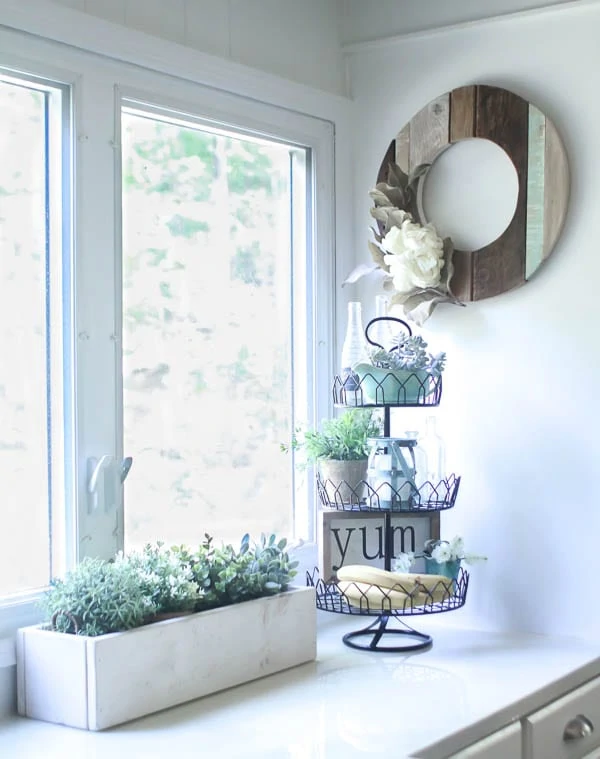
column 365, row 20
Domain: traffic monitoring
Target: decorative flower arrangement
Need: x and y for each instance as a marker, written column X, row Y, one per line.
column 441, row 551
column 415, row 262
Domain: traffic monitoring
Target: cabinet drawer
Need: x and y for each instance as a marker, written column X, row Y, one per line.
column 504, row 744
column 577, row 715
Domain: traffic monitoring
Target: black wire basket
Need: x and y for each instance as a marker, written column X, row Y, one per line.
column 372, row 600
column 361, row 496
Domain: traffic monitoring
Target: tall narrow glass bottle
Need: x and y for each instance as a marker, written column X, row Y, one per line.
column 354, row 350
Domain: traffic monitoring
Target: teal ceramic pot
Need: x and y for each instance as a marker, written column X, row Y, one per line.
column 447, row 568
column 393, row 386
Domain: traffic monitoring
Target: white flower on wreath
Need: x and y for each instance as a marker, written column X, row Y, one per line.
column 415, row 264
column 414, row 254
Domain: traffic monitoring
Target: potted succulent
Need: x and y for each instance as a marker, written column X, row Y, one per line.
column 101, row 622
column 339, row 450
column 404, row 375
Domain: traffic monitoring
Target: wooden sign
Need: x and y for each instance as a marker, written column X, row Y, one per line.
column 371, row 537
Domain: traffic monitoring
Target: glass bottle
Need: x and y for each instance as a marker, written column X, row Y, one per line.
column 421, row 461
column 434, row 448
column 354, row 351
column 382, row 333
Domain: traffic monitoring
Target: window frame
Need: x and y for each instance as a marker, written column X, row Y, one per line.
column 98, row 86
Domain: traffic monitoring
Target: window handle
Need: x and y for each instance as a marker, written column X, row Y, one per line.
column 105, row 478
column 125, row 467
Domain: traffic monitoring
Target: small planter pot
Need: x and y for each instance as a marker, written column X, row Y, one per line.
column 343, row 482
column 448, row 569
column 394, row 386
column 97, row 682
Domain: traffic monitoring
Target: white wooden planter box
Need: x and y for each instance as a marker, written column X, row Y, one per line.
column 96, row 682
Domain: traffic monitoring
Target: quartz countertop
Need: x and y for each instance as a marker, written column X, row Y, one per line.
column 346, row 704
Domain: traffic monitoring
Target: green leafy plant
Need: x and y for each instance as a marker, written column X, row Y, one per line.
column 98, row 597
column 409, row 353
column 255, row 570
column 343, row 438
column 166, row 577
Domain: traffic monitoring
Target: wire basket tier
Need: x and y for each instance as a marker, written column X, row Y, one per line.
column 359, row 599
column 362, row 496
column 380, row 387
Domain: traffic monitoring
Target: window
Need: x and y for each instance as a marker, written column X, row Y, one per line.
column 166, row 267
column 207, row 321
column 32, row 539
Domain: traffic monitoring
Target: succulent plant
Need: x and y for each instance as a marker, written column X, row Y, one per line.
column 253, row 571
column 97, row 597
column 409, row 353
column 166, row 577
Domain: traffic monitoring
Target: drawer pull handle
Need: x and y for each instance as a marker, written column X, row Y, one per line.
column 577, row 728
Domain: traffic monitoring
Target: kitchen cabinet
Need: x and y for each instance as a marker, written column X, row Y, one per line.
column 503, row 744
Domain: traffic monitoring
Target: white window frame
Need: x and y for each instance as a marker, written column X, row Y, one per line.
column 98, row 84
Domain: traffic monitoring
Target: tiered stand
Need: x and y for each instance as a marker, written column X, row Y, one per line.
column 383, row 634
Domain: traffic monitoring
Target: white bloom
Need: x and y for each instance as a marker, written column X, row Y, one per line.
column 457, row 547
column 415, row 255
column 404, row 562
column 442, row 553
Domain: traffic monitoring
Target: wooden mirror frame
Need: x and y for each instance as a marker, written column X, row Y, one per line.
column 533, row 145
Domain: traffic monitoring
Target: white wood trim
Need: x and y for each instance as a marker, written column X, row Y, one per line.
column 50, row 21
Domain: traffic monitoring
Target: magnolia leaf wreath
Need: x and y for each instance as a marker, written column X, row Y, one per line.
column 414, row 262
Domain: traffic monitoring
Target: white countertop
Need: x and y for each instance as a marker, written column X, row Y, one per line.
column 346, row 704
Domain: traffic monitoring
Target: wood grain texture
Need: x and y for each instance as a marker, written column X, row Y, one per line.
column 403, row 149
column 535, row 191
column 462, row 127
column 429, row 132
column 389, row 157
column 462, row 113
column 557, row 185
column 501, row 116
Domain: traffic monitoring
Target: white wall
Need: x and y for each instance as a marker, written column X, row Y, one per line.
column 296, row 40
column 361, row 21
column 521, row 401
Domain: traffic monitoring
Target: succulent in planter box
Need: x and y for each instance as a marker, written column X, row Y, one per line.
column 97, row 597
column 256, row 570
column 166, row 577
column 163, row 663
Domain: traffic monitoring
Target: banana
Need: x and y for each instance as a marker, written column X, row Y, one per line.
column 422, row 588
column 372, row 597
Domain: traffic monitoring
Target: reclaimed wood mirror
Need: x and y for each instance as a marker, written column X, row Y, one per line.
column 536, row 151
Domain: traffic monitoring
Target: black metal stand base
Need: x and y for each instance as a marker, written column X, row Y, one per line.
column 377, row 631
